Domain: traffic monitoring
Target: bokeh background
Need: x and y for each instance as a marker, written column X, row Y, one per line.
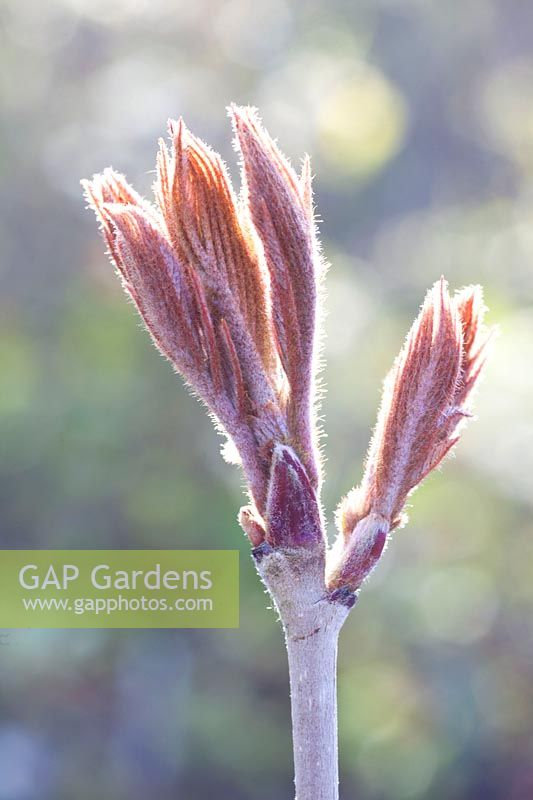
column 419, row 118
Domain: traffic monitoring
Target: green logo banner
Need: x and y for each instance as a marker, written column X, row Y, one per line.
column 119, row 589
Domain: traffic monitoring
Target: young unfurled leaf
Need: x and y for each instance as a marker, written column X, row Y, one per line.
column 280, row 207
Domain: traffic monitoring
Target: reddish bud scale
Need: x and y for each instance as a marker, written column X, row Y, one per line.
column 252, row 525
column 292, row 515
column 351, row 561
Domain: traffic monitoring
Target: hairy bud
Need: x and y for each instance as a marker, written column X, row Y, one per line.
column 293, row 514
column 227, row 286
column 426, row 399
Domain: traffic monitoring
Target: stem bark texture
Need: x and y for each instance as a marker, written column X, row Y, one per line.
column 311, row 621
column 313, row 682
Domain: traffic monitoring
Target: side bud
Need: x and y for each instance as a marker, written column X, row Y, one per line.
column 293, row 515
column 252, row 525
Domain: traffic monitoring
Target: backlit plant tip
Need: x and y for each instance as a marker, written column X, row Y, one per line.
column 229, row 286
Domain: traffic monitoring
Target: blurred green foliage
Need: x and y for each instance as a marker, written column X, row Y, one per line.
column 419, row 123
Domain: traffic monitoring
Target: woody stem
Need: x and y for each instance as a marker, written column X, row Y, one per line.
column 311, row 622
column 313, row 683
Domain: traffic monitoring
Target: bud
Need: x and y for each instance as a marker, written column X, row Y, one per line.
column 426, row 400
column 292, row 515
column 227, row 286
column 252, row 525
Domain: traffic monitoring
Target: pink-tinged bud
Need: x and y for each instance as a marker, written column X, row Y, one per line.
column 227, row 286
column 426, row 401
column 353, row 558
column 252, row 525
column 292, row 515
